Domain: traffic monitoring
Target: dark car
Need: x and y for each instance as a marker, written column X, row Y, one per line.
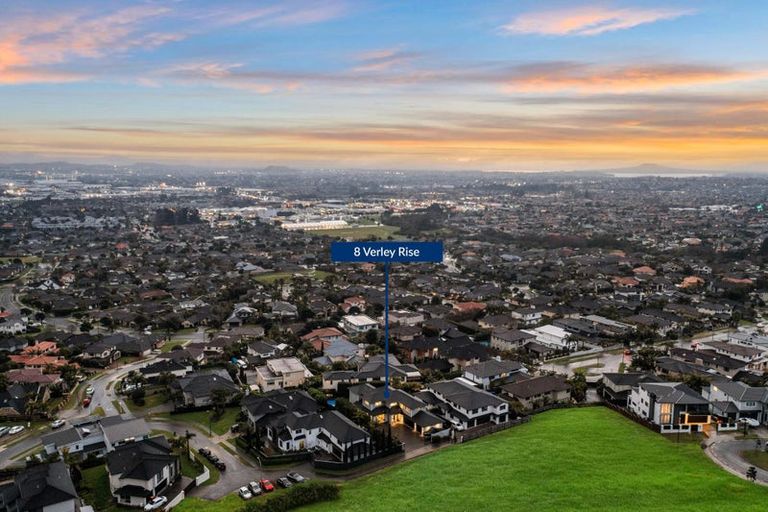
column 205, row 452
column 220, row 466
column 235, row 428
column 284, row 482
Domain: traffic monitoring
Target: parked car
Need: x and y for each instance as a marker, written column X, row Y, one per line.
column 752, row 422
column 156, row 503
column 254, row 487
column 205, row 452
column 4, row 430
column 245, row 493
column 86, row 402
column 295, row 477
column 89, row 391
column 57, row 424
column 220, row 466
column 284, row 482
column 16, row 430
column 266, row 485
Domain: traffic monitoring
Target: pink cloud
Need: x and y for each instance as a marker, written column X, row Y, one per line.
column 588, row 20
column 30, row 45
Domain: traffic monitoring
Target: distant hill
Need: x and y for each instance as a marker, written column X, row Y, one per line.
column 652, row 170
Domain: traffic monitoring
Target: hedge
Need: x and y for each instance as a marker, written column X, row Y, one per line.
column 296, row 496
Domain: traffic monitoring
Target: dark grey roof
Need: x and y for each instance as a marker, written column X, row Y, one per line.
column 536, row 386
column 44, row 485
column 204, row 382
column 741, row 392
column 140, row 460
column 630, row 379
column 493, row 368
column 673, row 393
column 464, row 396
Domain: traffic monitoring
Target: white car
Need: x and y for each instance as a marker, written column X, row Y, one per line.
column 57, row 424
column 16, row 430
column 156, row 503
column 255, row 488
column 245, row 493
column 89, row 391
column 752, row 422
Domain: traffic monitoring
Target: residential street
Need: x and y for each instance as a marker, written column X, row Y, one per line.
column 725, row 450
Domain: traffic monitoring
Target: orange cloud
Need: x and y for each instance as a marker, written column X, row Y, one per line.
column 587, row 20
column 549, row 77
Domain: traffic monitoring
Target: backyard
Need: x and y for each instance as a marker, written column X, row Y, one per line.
column 572, row 459
column 568, row 459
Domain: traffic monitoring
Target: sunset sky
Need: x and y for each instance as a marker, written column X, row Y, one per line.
column 517, row 85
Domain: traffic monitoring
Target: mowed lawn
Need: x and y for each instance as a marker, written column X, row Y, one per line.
column 568, row 459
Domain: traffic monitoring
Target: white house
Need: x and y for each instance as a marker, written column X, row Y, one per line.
column 553, row 336
column 141, row 469
column 358, row 324
column 673, row 406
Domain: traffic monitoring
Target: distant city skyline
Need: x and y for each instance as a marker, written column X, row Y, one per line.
column 515, row 85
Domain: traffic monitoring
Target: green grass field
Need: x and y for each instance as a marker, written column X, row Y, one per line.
column 571, row 459
column 359, row 233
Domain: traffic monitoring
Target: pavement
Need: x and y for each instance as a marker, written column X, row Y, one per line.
column 725, row 450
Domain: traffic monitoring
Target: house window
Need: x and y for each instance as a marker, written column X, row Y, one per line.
column 665, row 413
column 750, row 404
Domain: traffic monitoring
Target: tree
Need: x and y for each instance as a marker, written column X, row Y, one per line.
column 220, row 399
column 578, row 387
column 645, row 359
column 752, row 473
column 86, row 326
column 3, row 382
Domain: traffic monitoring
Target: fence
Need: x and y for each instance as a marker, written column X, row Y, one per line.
column 339, row 466
column 632, row 416
column 489, row 428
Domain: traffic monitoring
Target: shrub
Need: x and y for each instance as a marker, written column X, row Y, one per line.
column 296, row 496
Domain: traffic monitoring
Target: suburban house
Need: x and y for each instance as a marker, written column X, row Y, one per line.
column 100, row 354
column 14, row 344
column 553, row 336
column 673, row 406
column 286, row 372
column 40, row 488
column 538, row 391
column 257, row 409
column 411, row 318
column 336, row 350
column 95, row 435
column 510, row 339
column 166, row 366
column 735, row 400
column 358, row 324
column 262, row 350
column 291, row 422
column 464, row 405
column 197, row 389
column 374, row 370
column 486, row 372
column 527, row 316
column 141, row 470
column 400, row 408
column 616, row 387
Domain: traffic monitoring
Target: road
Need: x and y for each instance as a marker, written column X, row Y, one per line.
column 725, row 450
